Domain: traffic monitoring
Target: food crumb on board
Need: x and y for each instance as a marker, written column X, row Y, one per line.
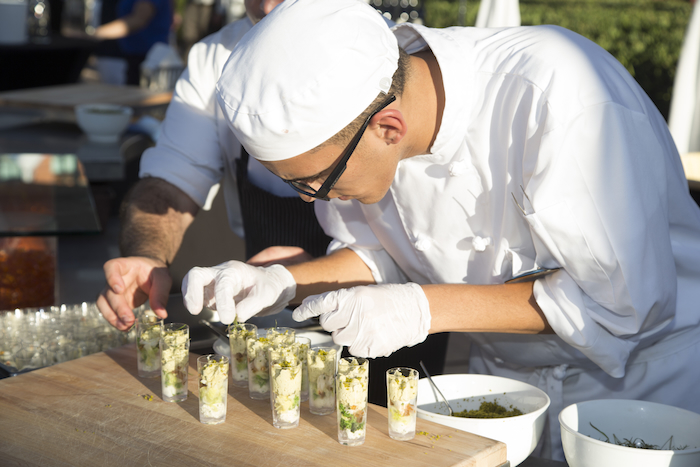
column 108, row 405
column 148, row 397
column 430, row 436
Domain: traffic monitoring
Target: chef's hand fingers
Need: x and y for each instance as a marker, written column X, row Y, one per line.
column 342, row 317
column 160, row 290
column 194, row 286
column 121, row 293
column 228, row 285
column 334, row 309
column 311, row 307
column 108, row 312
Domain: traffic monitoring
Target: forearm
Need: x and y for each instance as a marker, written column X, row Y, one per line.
column 507, row 308
column 154, row 218
column 113, row 30
column 340, row 269
column 137, row 20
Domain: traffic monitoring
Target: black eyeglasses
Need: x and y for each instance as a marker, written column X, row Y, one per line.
column 322, row 193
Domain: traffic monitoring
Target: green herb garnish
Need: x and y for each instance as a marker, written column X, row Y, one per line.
column 348, row 421
column 489, row 410
column 639, row 443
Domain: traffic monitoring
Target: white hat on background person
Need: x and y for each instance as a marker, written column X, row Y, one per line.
column 303, row 73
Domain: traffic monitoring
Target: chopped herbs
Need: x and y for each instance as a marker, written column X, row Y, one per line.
column 489, row 410
column 639, row 443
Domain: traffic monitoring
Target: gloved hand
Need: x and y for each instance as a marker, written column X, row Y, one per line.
column 236, row 289
column 373, row 321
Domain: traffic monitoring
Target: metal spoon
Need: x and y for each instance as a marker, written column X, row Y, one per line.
column 435, row 386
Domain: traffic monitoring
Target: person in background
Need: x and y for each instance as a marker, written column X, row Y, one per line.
column 195, row 154
column 139, row 24
column 453, row 161
column 199, row 19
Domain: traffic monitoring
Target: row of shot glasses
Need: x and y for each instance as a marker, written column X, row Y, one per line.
column 275, row 364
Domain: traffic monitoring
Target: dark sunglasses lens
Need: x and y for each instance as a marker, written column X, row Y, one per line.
column 302, row 188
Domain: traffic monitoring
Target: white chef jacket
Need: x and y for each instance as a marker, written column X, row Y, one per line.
column 196, row 150
column 549, row 155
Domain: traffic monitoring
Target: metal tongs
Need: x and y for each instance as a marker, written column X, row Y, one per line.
column 435, row 387
column 214, row 328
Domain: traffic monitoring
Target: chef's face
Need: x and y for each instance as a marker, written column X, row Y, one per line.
column 257, row 9
column 367, row 176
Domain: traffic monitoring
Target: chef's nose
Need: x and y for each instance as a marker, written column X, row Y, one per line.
column 269, row 5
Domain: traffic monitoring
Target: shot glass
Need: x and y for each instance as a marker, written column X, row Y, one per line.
column 148, row 329
column 321, row 362
column 402, row 391
column 302, row 345
column 285, row 386
column 237, row 335
column 213, row 388
column 258, row 367
column 174, row 359
column 352, row 383
column 279, row 336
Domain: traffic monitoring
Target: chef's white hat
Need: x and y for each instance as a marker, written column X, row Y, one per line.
column 303, row 73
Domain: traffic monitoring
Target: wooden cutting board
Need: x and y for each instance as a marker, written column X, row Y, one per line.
column 97, row 411
column 65, row 97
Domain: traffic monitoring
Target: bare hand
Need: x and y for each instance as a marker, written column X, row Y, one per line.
column 130, row 282
column 284, row 255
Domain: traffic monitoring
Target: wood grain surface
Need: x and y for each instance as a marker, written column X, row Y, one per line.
column 65, row 97
column 96, row 411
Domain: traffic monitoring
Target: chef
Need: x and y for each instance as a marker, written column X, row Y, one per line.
column 472, row 158
column 195, row 155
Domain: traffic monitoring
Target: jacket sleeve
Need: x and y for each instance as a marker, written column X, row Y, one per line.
column 345, row 222
column 188, row 152
column 599, row 210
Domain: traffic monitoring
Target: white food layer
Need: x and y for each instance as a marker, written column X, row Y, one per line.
column 327, row 402
column 347, row 434
column 403, row 426
column 402, row 388
column 217, row 410
column 288, row 416
column 171, row 391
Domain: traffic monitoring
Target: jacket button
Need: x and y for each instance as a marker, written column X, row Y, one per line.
column 423, row 244
column 559, row 372
column 480, row 243
column 458, row 168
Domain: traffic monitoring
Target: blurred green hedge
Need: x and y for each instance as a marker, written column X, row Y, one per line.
column 644, row 35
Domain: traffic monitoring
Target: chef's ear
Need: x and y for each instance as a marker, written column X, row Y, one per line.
column 389, row 125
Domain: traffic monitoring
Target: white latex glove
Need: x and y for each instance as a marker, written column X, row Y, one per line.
column 236, row 289
column 372, row 321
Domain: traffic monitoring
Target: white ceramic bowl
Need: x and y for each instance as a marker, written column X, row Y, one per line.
column 651, row 422
column 466, row 392
column 103, row 123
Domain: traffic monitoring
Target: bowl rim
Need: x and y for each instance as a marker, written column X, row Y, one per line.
column 534, row 414
column 125, row 109
column 598, row 442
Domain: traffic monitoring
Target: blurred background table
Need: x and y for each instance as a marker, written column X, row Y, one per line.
column 59, row 101
column 59, row 60
column 41, row 196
